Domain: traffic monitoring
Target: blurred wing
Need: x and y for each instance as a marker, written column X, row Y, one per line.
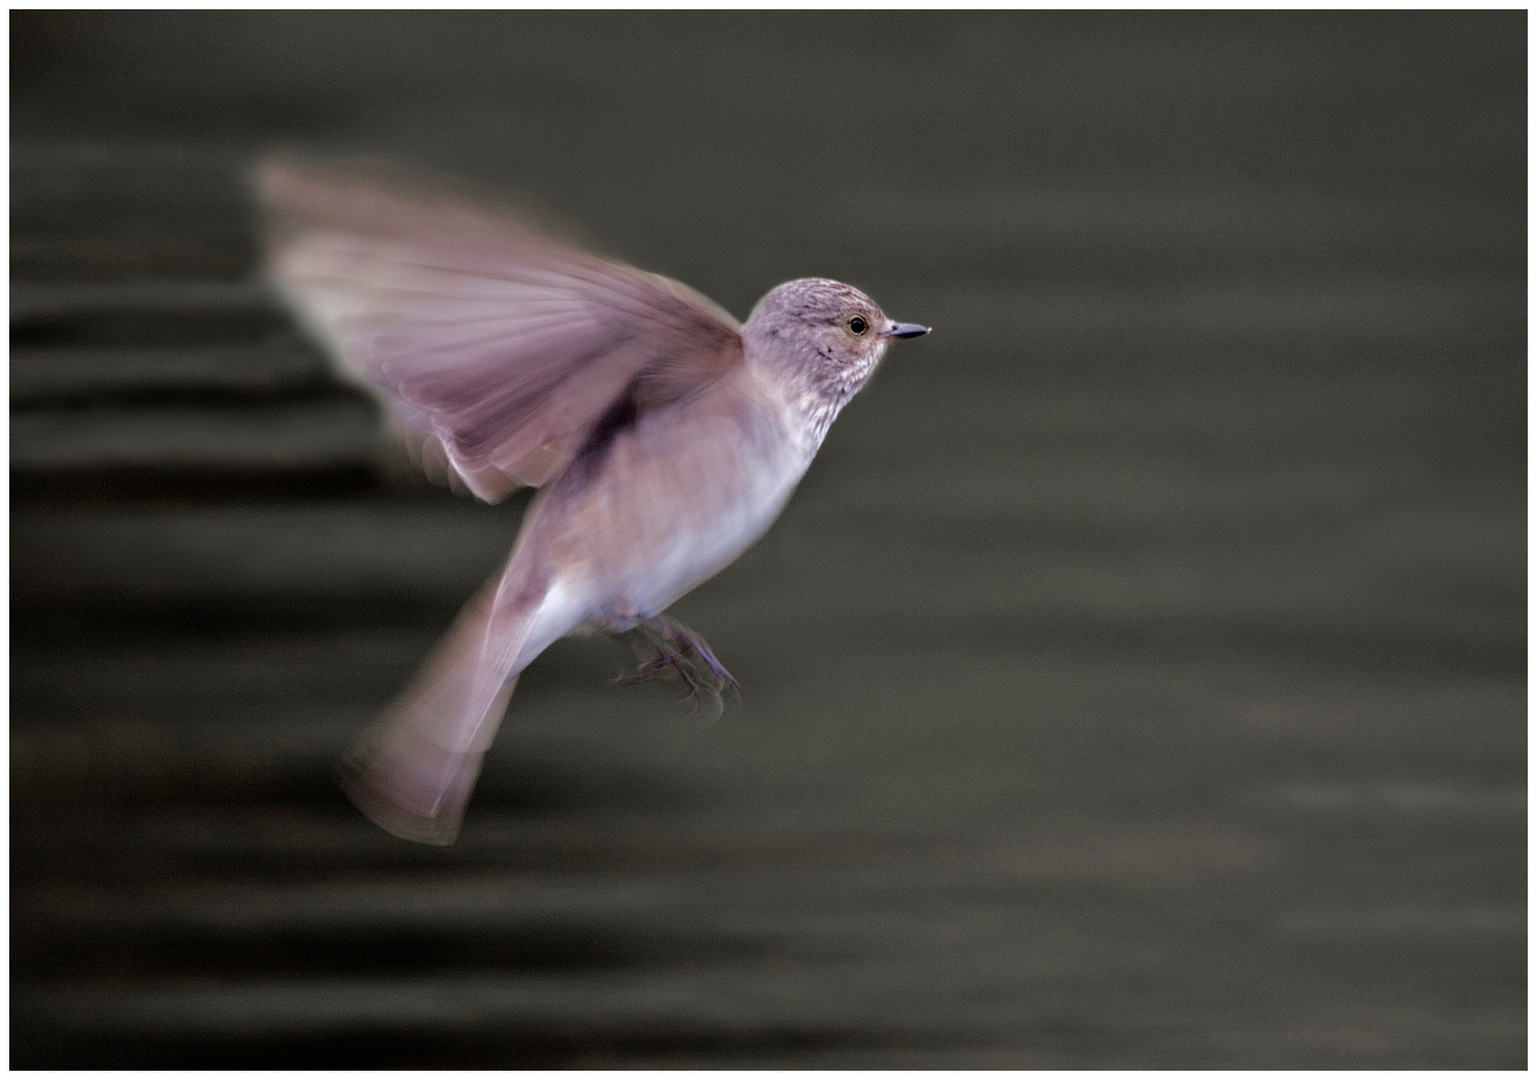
column 500, row 348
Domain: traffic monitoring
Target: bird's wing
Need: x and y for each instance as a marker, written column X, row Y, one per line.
column 499, row 347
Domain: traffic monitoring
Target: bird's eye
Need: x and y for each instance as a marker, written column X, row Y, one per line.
column 857, row 325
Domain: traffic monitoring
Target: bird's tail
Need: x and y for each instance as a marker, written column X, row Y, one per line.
column 412, row 772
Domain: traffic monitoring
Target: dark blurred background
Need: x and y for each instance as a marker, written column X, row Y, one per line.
column 1137, row 679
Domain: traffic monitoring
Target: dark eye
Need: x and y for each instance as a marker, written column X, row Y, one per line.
column 857, row 325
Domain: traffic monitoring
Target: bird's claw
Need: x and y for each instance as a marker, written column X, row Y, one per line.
column 670, row 648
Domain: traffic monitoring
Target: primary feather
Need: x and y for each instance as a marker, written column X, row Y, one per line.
column 499, row 348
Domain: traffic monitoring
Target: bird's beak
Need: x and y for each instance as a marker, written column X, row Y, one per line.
column 905, row 329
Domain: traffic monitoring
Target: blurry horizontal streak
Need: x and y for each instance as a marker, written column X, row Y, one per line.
column 1403, row 922
column 1487, row 711
column 730, row 1001
column 331, row 666
column 493, row 901
column 150, row 753
column 192, row 483
column 326, row 432
column 1361, row 310
column 158, row 749
column 1168, row 855
column 1196, row 600
column 51, row 158
column 42, row 375
column 1429, row 799
column 1296, row 403
column 65, row 170
column 35, row 302
column 1160, row 494
column 140, row 250
column 1171, row 218
column 1334, row 1026
column 263, row 837
column 1032, row 703
column 608, row 838
column 312, row 550
column 88, row 212
column 897, row 986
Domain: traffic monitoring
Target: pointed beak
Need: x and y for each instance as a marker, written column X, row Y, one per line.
column 904, row 329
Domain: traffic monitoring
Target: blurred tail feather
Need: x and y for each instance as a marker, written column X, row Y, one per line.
column 412, row 772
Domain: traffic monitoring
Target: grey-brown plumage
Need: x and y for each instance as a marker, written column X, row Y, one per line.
column 666, row 436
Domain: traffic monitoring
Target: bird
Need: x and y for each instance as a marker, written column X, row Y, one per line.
column 663, row 435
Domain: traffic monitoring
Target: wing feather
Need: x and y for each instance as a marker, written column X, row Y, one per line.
column 498, row 347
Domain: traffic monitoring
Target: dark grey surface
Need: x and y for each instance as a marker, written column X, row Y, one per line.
column 1138, row 678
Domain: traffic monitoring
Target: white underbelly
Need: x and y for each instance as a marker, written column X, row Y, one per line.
column 698, row 551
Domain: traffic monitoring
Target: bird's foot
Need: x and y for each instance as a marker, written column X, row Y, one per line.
column 670, row 648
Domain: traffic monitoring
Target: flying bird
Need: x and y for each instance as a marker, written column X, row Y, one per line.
column 664, row 436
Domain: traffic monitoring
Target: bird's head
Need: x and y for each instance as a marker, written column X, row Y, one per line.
column 824, row 332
